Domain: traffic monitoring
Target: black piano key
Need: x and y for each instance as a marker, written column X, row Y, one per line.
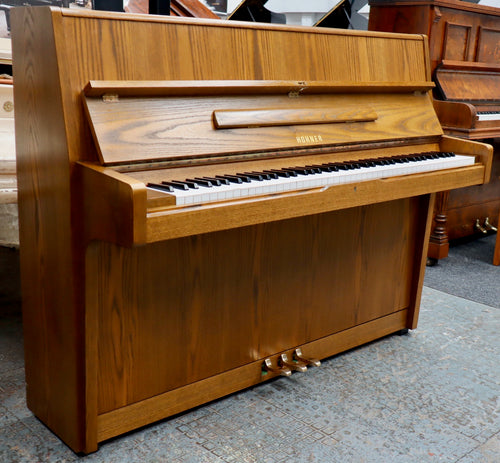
column 271, row 174
column 333, row 166
column 244, row 178
column 364, row 164
column 159, row 186
column 322, row 167
column 176, row 184
column 230, row 178
column 264, row 175
column 289, row 171
column 303, row 170
column 277, row 173
column 318, row 168
column 385, row 161
column 200, row 181
column 215, row 181
column 190, row 184
column 251, row 175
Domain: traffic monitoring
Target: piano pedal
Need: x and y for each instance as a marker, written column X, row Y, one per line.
column 298, row 357
column 479, row 227
column 489, row 226
column 293, row 365
column 267, row 367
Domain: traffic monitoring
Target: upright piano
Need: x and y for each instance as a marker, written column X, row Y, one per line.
column 464, row 43
column 197, row 220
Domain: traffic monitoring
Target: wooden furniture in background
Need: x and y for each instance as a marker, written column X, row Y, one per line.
column 464, row 48
column 134, row 308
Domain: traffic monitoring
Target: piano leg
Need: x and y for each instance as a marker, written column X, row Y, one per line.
column 438, row 242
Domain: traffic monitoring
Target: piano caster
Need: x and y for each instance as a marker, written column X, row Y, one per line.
column 488, row 225
column 267, row 367
column 431, row 262
column 479, row 227
column 402, row 332
column 294, row 365
column 298, row 357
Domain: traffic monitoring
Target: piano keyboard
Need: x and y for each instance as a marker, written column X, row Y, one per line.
column 488, row 115
column 246, row 184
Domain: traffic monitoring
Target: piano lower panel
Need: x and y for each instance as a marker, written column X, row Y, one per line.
column 191, row 313
column 146, row 411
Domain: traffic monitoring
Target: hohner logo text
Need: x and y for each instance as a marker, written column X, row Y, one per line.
column 303, row 139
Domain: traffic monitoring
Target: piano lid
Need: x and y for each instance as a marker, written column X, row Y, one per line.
column 190, row 120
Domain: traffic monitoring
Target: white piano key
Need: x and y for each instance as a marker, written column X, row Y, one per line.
column 488, row 116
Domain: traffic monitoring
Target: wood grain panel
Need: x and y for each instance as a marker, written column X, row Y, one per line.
column 155, row 408
column 149, row 129
column 455, row 28
column 180, row 311
column 52, row 338
column 456, row 42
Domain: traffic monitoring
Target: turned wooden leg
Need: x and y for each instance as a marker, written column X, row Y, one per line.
column 438, row 241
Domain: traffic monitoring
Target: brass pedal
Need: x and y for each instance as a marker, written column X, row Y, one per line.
column 489, row 226
column 267, row 366
column 294, row 365
column 479, row 227
column 298, row 357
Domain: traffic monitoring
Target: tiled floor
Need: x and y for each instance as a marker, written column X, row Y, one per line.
column 429, row 396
